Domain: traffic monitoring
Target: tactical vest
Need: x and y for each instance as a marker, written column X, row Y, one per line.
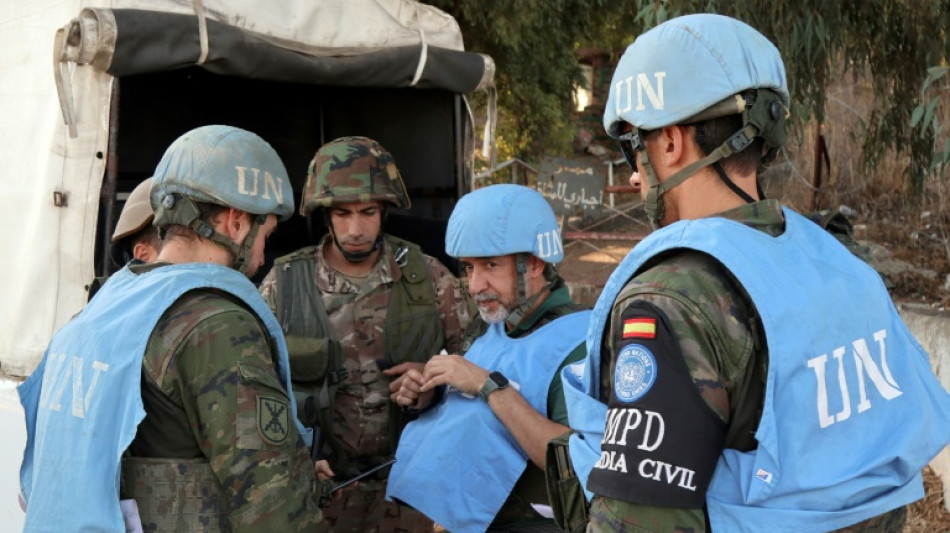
column 175, row 494
column 413, row 333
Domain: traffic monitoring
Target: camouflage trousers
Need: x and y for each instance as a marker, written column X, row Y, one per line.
column 602, row 520
column 364, row 509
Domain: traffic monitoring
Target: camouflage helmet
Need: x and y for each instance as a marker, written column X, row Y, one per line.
column 352, row 169
column 221, row 165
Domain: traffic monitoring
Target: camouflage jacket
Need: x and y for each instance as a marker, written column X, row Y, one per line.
column 357, row 311
column 208, row 376
column 720, row 338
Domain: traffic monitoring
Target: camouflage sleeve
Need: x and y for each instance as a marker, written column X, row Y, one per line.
column 455, row 309
column 268, row 290
column 239, row 413
column 713, row 326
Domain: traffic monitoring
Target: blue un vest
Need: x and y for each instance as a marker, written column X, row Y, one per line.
column 852, row 411
column 458, row 463
column 83, row 402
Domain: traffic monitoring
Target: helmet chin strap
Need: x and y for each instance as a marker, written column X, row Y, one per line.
column 240, row 253
column 654, row 203
column 242, row 257
column 183, row 211
column 721, row 172
column 765, row 118
column 524, row 303
column 358, row 257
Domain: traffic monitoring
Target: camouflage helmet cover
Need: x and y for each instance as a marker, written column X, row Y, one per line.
column 226, row 166
column 352, row 169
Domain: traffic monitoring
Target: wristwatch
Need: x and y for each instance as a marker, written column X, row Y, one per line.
column 495, row 381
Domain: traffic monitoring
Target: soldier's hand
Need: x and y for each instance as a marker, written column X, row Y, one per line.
column 325, row 483
column 410, row 393
column 322, row 470
column 456, row 371
column 399, row 372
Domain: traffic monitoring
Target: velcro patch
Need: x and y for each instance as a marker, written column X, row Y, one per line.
column 273, row 419
column 634, row 373
column 639, row 328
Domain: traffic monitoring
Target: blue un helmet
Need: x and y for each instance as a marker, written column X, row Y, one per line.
column 503, row 220
column 691, row 69
column 226, row 166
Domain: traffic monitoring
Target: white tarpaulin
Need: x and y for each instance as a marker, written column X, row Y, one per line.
column 53, row 175
column 313, row 24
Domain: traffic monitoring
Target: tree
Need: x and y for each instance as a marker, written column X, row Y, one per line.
column 895, row 44
column 533, row 44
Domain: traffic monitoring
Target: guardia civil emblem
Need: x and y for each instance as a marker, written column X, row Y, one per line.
column 634, row 373
column 273, row 419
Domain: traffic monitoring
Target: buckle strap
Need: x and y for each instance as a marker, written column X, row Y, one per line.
column 338, row 375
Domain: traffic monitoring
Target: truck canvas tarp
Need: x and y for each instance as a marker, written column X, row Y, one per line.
column 93, row 93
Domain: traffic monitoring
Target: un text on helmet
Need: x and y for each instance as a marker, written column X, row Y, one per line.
column 270, row 184
column 653, row 92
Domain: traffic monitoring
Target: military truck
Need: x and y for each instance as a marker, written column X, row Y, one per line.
column 94, row 91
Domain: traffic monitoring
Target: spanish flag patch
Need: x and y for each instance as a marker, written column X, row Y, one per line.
column 639, row 328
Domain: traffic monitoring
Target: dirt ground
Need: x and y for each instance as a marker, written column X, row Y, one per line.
column 909, row 244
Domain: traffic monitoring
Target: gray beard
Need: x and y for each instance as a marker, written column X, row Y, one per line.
column 494, row 317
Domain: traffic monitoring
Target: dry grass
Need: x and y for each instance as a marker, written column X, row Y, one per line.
column 929, row 514
column 912, row 229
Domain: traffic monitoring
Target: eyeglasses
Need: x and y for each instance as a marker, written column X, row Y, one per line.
column 631, row 143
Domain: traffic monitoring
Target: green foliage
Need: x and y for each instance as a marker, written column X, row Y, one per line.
column 533, row 43
column 892, row 43
column 926, row 118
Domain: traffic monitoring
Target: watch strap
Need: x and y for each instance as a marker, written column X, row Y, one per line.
column 494, row 382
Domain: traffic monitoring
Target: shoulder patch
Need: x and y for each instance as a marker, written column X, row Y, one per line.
column 273, row 419
column 634, row 373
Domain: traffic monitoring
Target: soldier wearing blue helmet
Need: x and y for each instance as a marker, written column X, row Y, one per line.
column 499, row 404
column 736, row 378
column 169, row 391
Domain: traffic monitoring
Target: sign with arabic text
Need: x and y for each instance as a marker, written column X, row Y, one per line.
column 572, row 186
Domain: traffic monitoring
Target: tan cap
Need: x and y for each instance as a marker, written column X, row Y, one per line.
column 136, row 214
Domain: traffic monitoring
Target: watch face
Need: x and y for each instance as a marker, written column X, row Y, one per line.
column 499, row 379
